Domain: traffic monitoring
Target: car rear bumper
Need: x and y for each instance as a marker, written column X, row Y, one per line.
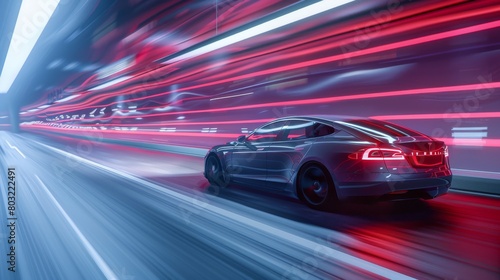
column 395, row 188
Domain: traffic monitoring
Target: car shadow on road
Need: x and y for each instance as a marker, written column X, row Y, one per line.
column 411, row 214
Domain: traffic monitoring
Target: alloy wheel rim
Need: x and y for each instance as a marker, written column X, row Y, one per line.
column 314, row 185
column 213, row 167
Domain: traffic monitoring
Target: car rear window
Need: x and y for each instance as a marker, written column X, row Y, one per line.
column 380, row 128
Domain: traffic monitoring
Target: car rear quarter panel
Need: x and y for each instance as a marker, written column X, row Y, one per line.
column 333, row 154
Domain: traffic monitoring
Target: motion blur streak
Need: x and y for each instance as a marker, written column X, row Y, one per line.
column 148, row 133
column 363, row 96
column 341, row 98
column 297, row 15
column 95, row 256
column 387, row 47
column 439, row 116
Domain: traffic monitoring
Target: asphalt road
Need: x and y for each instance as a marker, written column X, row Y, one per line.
column 90, row 210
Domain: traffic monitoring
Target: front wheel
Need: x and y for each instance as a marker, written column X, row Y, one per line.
column 315, row 187
column 214, row 172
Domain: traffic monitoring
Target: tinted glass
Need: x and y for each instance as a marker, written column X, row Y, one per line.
column 344, row 135
column 297, row 129
column 380, row 128
column 266, row 133
column 322, row 130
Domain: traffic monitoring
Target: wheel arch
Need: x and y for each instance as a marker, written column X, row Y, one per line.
column 218, row 155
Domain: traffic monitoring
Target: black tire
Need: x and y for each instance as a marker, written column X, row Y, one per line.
column 315, row 187
column 214, row 173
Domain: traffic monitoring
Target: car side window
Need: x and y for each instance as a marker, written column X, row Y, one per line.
column 299, row 129
column 267, row 133
column 344, row 135
column 322, row 130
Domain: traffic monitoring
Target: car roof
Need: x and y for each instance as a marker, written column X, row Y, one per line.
column 329, row 118
column 361, row 126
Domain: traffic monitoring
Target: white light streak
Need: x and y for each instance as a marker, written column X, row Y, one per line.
column 230, row 96
column 470, row 128
column 68, row 98
column 267, row 26
column 111, row 83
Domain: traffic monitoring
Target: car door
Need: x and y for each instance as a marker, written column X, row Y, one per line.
column 248, row 160
column 284, row 154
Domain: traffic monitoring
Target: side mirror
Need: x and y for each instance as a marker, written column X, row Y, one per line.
column 241, row 139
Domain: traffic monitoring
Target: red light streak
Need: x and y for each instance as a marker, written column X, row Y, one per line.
column 400, row 28
column 142, row 132
column 438, row 116
column 174, row 123
column 449, row 141
column 326, row 100
column 392, row 46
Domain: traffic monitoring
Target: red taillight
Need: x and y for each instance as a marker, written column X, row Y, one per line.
column 379, row 154
column 440, row 152
column 428, row 158
column 383, row 154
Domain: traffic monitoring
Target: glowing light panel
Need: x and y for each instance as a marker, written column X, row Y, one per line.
column 31, row 21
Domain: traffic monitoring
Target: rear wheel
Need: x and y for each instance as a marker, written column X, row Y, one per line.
column 214, row 172
column 315, row 187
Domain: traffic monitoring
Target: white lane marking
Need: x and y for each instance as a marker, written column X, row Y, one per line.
column 15, row 148
column 108, row 273
column 296, row 240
